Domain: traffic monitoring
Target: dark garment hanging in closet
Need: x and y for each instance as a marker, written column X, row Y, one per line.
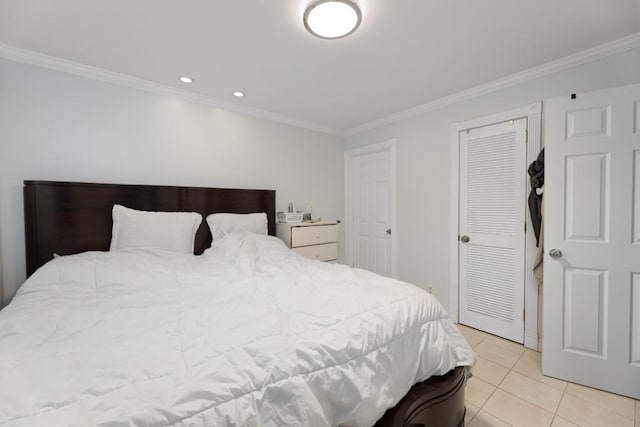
column 535, row 210
column 536, row 174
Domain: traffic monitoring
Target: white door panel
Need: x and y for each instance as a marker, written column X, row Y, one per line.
column 584, row 295
column 636, row 187
column 492, row 217
column 372, row 211
column 591, row 321
column 587, row 184
column 635, row 322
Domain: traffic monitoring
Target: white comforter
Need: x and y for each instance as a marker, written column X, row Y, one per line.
column 248, row 334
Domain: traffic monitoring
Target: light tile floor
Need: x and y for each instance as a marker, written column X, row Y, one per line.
column 508, row 389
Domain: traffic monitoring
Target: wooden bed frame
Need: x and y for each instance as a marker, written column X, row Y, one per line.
column 71, row 217
column 68, row 217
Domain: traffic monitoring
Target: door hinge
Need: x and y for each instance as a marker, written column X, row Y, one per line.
column 524, row 314
column 525, row 227
column 526, row 136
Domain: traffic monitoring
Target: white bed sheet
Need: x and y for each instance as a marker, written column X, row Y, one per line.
column 247, row 334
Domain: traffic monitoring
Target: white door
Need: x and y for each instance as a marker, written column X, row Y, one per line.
column 372, row 219
column 591, row 318
column 492, row 228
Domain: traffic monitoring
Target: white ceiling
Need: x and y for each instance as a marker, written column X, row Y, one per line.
column 405, row 53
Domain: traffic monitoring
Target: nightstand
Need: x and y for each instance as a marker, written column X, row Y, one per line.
column 318, row 240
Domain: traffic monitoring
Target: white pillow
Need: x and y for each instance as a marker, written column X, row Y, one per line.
column 173, row 231
column 222, row 224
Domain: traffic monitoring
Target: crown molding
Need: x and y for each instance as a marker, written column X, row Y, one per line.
column 617, row 46
column 16, row 54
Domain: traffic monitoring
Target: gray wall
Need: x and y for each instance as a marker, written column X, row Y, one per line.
column 57, row 126
column 423, row 156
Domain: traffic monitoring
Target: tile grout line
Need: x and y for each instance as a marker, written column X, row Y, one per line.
column 564, row 393
column 495, row 387
column 599, row 405
column 554, row 413
column 564, row 389
column 474, row 354
column 530, row 403
column 518, row 397
column 480, row 407
column 494, row 390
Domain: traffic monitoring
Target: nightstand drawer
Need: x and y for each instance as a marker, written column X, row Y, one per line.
column 313, row 235
column 326, row 252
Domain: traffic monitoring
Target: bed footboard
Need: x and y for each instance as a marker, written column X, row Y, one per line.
column 436, row 402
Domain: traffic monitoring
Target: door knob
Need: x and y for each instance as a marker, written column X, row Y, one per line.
column 555, row 253
column 465, row 239
column 389, row 231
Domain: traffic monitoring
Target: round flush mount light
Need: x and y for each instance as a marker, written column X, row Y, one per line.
column 185, row 79
column 332, row 19
column 238, row 94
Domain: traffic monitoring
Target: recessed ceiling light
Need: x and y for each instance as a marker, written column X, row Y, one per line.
column 332, row 19
column 185, row 79
column 238, row 93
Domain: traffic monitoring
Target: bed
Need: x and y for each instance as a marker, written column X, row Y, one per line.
column 246, row 333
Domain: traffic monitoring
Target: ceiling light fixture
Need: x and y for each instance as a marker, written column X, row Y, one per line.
column 238, row 94
column 185, row 79
column 332, row 19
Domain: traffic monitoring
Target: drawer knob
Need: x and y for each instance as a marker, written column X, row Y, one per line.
column 317, row 255
column 318, row 236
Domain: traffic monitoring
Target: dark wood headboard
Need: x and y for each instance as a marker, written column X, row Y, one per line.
column 71, row 217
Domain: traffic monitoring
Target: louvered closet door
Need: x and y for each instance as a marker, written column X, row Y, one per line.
column 492, row 217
